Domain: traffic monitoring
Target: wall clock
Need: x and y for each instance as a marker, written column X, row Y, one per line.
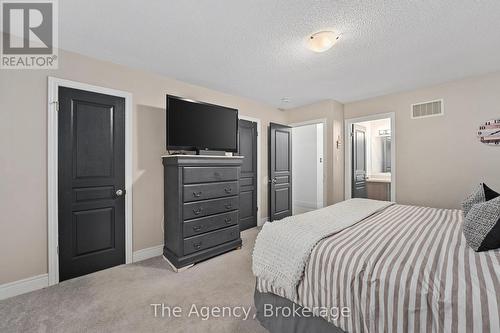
column 489, row 133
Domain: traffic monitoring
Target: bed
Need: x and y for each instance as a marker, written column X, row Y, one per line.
column 401, row 269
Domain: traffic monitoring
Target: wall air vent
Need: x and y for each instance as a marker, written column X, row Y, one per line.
column 427, row 109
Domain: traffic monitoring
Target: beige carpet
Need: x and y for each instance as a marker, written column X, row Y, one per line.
column 119, row 299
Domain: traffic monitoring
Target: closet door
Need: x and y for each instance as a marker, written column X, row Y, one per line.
column 247, row 147
column 280, row 171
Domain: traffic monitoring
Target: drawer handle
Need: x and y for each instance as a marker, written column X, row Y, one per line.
column 197, row 245
column 229, row 206
column 197, row 211
column 228, row 190
column 216, row 174
column 197, row 228
column 197, row 194
column 228, row 220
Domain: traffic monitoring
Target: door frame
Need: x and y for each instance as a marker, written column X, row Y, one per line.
column 260, row 221
column 52, row 168
column 348, row 151
column 323, row 121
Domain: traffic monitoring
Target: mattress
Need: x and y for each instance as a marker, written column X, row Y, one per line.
column 405, row 269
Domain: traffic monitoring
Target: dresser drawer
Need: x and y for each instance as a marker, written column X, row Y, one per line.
column 210, row 223
column 210, row 191
column 210, row 239
column 209, row 207
column 209, row 174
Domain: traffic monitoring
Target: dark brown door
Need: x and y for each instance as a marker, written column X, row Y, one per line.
column 280, row 171
column 247, row 147
column 91, row 182
column 358, row 161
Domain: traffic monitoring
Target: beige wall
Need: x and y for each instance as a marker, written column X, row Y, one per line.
column 23, row 146
column 333, row 112
column 439, row 159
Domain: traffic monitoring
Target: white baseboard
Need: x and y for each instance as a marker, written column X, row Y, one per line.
column 23, row 286
column 305, row 204
column 262, row 220
column 148, row 253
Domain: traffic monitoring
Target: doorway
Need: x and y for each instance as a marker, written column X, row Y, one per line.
column 308, row 167
column 370, row 157
column 89, row 178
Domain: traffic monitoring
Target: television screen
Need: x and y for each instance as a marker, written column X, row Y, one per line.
column 193, row 125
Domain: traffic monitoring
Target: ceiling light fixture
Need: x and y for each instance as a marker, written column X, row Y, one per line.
column 322, row 41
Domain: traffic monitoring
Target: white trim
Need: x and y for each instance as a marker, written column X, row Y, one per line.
column 323, row 121
column 262, row 220
column 52, row 165
column 347, row 153
column 306, row 204
column 430, row 115
column 23, row 286
column 256, row 120
column 309, row 122
column 148, row 253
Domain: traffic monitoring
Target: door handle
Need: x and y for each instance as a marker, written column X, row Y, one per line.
column 274, row 181
column 119, row 193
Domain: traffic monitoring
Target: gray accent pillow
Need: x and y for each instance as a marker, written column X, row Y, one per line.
column 481, row 226
column 478, row 196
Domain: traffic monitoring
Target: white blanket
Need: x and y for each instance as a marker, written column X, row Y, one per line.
column 282, row 248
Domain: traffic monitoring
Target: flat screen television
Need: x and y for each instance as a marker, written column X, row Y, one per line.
column 193, row 125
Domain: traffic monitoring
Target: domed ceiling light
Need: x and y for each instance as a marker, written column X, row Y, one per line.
column 322, row 41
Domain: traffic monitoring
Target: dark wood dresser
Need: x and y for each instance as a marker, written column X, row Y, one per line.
column 201, row 201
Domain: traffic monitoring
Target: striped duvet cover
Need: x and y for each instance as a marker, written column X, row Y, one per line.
column 405, row 269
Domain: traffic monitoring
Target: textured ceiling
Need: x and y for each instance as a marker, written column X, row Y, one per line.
column 256, row 48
